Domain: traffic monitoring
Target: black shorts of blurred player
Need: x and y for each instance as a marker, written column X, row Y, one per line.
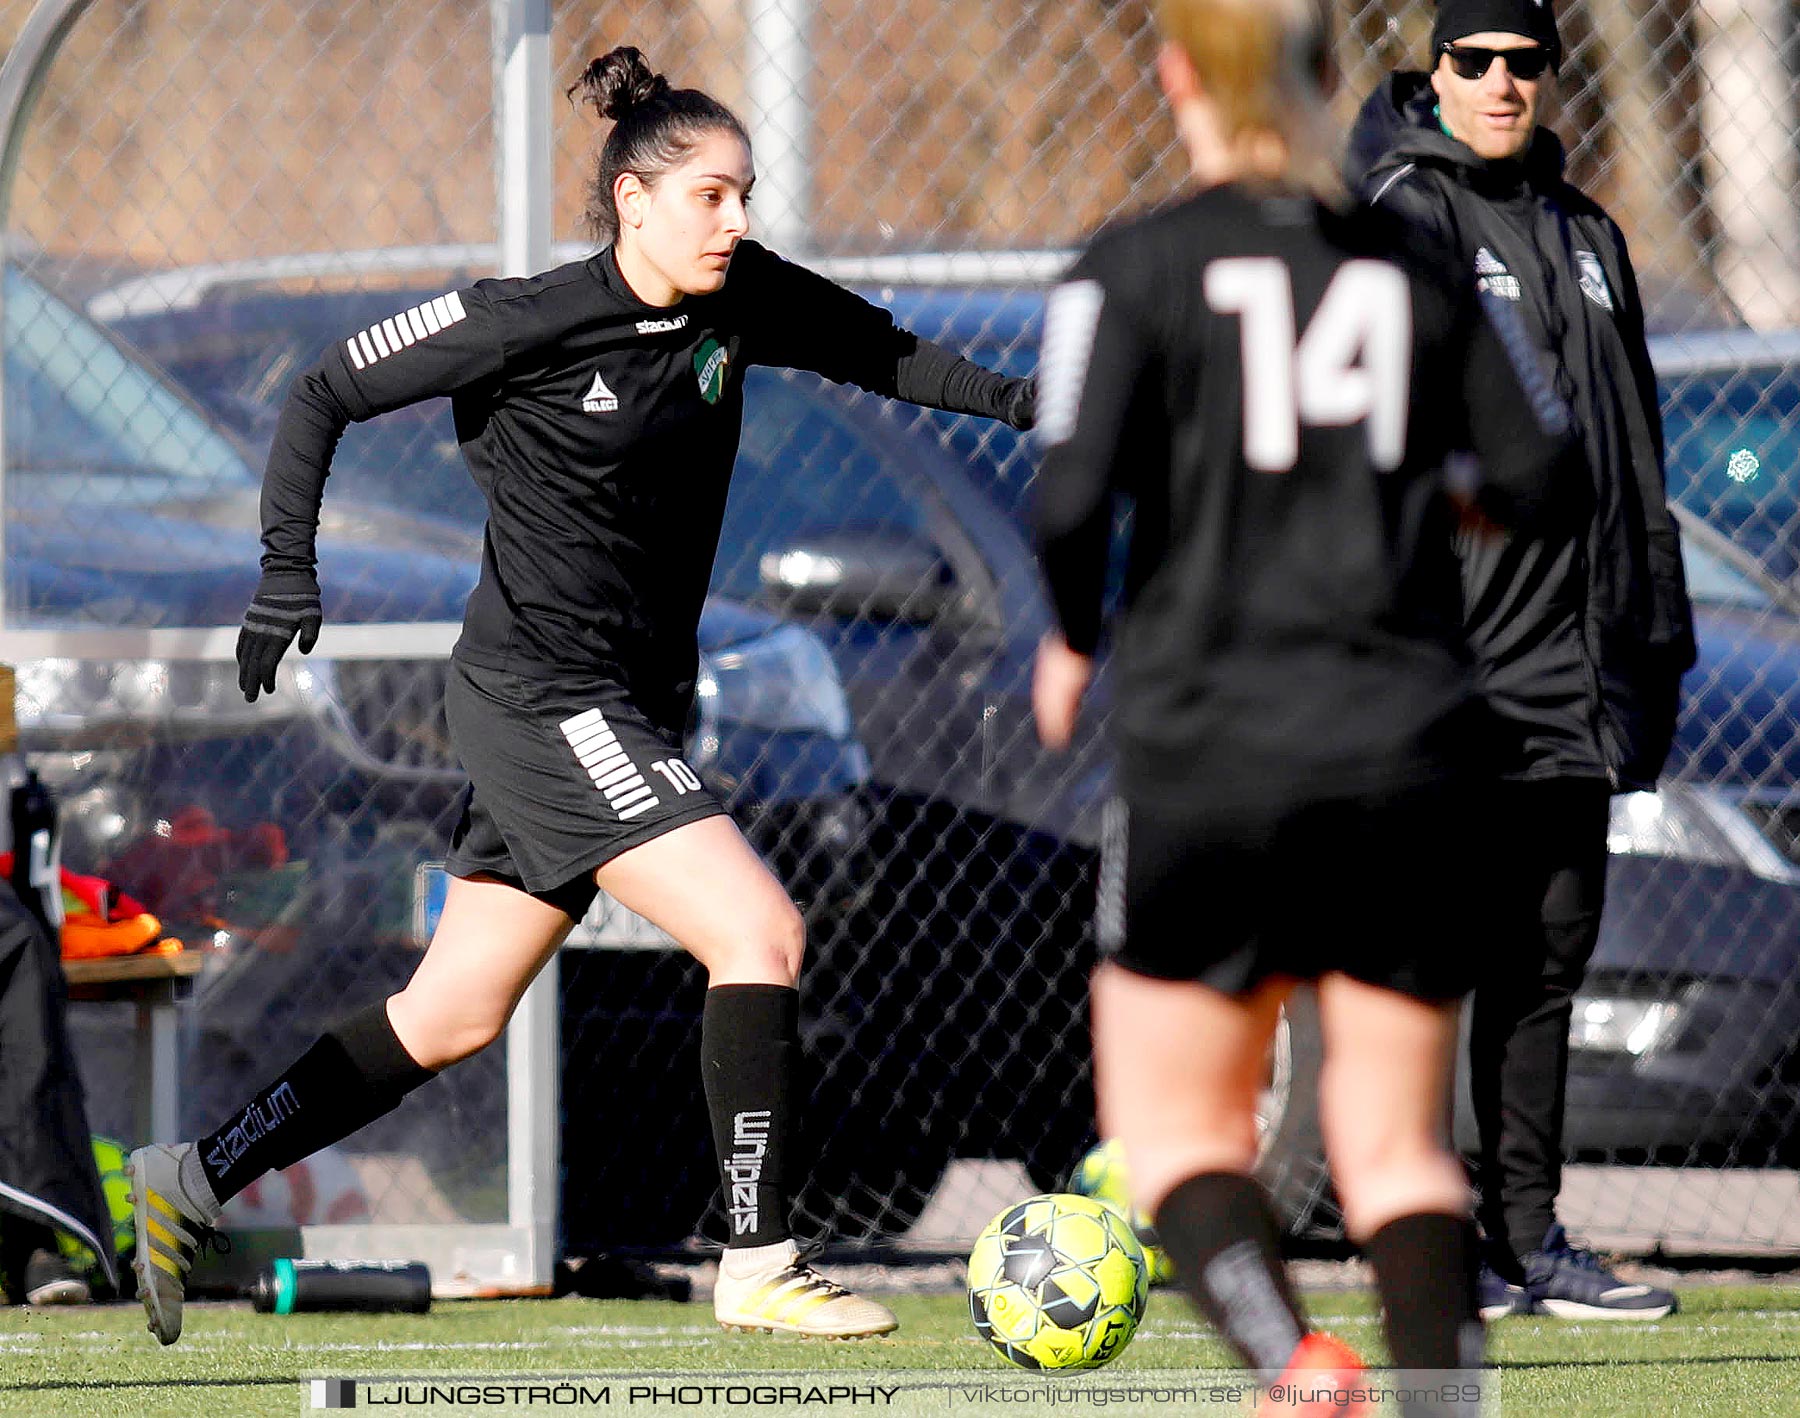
column 1206, row 928
column 1364, row 887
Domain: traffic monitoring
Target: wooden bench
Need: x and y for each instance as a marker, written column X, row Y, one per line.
column 155, row 984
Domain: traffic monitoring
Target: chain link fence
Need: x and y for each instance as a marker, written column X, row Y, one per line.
column 206, row 196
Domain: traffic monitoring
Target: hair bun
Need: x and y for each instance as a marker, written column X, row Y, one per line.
column 619, row 81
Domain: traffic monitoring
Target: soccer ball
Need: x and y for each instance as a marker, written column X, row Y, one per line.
column 1058, row 1282
column 1101, row 1174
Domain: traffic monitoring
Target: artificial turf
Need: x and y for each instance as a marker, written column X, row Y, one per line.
column 1731, row 1350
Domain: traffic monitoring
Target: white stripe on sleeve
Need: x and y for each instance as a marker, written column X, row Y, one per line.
column 399, row 332
column 1070, row 319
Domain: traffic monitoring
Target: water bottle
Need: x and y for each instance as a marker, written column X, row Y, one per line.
column 285, row 1286
column 37, row 852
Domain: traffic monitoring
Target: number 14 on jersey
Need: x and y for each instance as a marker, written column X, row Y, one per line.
column 1352, row 364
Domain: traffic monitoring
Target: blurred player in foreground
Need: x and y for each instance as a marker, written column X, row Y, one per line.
column 1286, row 388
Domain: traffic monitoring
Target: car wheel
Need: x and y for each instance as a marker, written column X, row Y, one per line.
column 1291, row 1157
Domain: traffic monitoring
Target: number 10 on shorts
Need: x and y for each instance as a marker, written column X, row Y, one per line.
column 680, row 777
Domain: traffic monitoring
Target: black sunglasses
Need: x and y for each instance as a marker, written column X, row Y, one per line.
column 1471, row 61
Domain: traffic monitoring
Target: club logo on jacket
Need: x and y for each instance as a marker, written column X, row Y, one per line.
column 1593, row 280
column 709, row 367
column 599, row 399
column 1492, row 277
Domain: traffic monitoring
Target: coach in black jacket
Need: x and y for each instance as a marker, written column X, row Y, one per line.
column 1581, row 634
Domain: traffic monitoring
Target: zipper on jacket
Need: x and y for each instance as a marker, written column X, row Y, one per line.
column 1590, row 661
column 1555, row 279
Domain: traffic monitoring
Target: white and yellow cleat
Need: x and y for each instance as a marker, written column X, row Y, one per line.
column 170, row 1227
column 792, row 1298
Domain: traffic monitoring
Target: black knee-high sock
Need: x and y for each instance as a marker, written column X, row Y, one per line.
column 1221, row 1232
column 749, row 1057
column 1425, row 1268
column 356, row 1072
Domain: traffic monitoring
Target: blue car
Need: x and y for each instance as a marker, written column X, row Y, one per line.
column 1731, row 405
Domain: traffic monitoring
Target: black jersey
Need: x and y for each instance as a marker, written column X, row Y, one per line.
column 602, row 431
column 1280, row 390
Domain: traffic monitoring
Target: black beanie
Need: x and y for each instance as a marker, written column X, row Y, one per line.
column 1458, row 19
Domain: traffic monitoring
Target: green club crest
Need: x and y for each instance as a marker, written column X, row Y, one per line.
column 709, row 365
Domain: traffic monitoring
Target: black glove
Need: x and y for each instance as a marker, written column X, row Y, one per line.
column 286, row 604
column 1021, row 403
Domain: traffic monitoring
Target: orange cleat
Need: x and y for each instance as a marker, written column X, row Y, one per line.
column 1319, row 1382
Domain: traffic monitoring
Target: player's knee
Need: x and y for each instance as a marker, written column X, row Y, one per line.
column 438, row 1037
column 763, row 943
column 471, row 1036
column 780, row 941
column 789, row 937
column 1234, row 1150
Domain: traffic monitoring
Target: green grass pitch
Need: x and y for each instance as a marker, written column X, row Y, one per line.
column 1731, row 1350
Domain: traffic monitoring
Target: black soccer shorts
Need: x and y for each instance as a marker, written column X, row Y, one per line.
column 564, row 775
column 1386, row 890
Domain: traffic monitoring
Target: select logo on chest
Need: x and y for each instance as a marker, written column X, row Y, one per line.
column 709, row 367
column 599, row 399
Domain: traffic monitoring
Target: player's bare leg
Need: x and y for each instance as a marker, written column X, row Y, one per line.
column 1177, row 1070
column 1384, row 1096
column 490, row 943
column 1383, row 1101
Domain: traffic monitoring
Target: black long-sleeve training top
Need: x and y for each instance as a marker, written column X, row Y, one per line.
column 602, row 432
column 1281, row 390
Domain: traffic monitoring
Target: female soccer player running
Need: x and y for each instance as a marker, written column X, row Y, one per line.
column 1280, row 384
column 598, row 406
